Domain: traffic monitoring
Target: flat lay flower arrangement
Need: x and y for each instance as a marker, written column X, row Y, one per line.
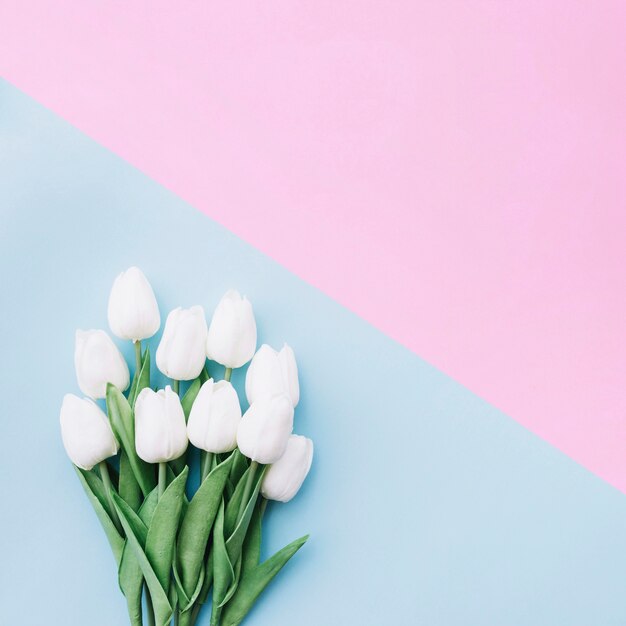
column 179, row 551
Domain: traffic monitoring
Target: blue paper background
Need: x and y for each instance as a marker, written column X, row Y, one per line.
column 425, row 504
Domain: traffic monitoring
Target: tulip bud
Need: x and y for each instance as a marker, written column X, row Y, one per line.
column 98, row 361
column 181, row 353
column 272, row 372
column 160, row 430
column 231, row 340
column 215, row 417
column 265, row 428
column 86, row 432
column 283, row 479
column 133, row 309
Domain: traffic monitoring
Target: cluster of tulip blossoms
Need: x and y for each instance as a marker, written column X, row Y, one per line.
column 174, row 551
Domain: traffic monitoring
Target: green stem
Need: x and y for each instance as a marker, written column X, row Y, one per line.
column 205, row 467
column 263, row 505
column 137, row 345
column 108, row 487
column 194, row 614
column 162, row 479
column 228, row 373
column 247, row 489
column 185, row 619
column 175, row 385
column 151, row 618
column 216, row 613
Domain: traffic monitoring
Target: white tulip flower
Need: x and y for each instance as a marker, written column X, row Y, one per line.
column 231, row 339
column 98, row 361
column 86, row 432
column 215, row 417
column 283, row 479
column 273, row 372
column 160, row 429
column 133, row 310
column 181, row 352
column 265, row 428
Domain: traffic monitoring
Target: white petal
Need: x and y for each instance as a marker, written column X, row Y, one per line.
column 265, row 428
column 160, row 430
column 231, row 338
column 285, row 477
column 86, row 432
column 98, row 361
column 181, row 352
column 133, row 311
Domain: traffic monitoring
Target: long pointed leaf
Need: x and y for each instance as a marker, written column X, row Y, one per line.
column 251, row 551
column 240, row 465
column 208, row 578
column 123, row 423
column 141, row 380
column 183, row 598
column 233, row 586
column 196, row 526
column 136, row 535
column 129, row 488
column 186, row 602
column 178, row 465
column 130, row 576
column 235, row 541
column 252, row 585
column 223, row 574
column 232, row 508
column 190, row 396
column 94, row 488
column 164, row 527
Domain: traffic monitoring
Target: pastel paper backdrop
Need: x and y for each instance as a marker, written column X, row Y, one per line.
column 452, row 171
column 425, row 504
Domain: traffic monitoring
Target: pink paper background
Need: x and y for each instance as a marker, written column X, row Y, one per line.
column 451, row 171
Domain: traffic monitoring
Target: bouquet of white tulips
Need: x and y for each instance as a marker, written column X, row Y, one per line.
column 177, row 547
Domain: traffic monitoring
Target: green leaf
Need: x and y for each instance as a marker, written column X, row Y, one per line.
column 208, row 579
column 129, row 488
column 189, row 398
column 196, row 592
column 130, row 576
column 141, row 380
column 255, row 581
column 184, row 600
column 223, row 573
column 94, row 488
column 146, row 512
column 228, row 490
column 232, row 508
column 114, row 475
column 251, row 551
column 204, row 375
column 240, row 465
column 123, row 424
column 233, row 586
column 136, row 535
column 236, row 534
column 163, row 528
column 178, row 465
column 173, row 597
column 235, row 541
column 196, row 526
